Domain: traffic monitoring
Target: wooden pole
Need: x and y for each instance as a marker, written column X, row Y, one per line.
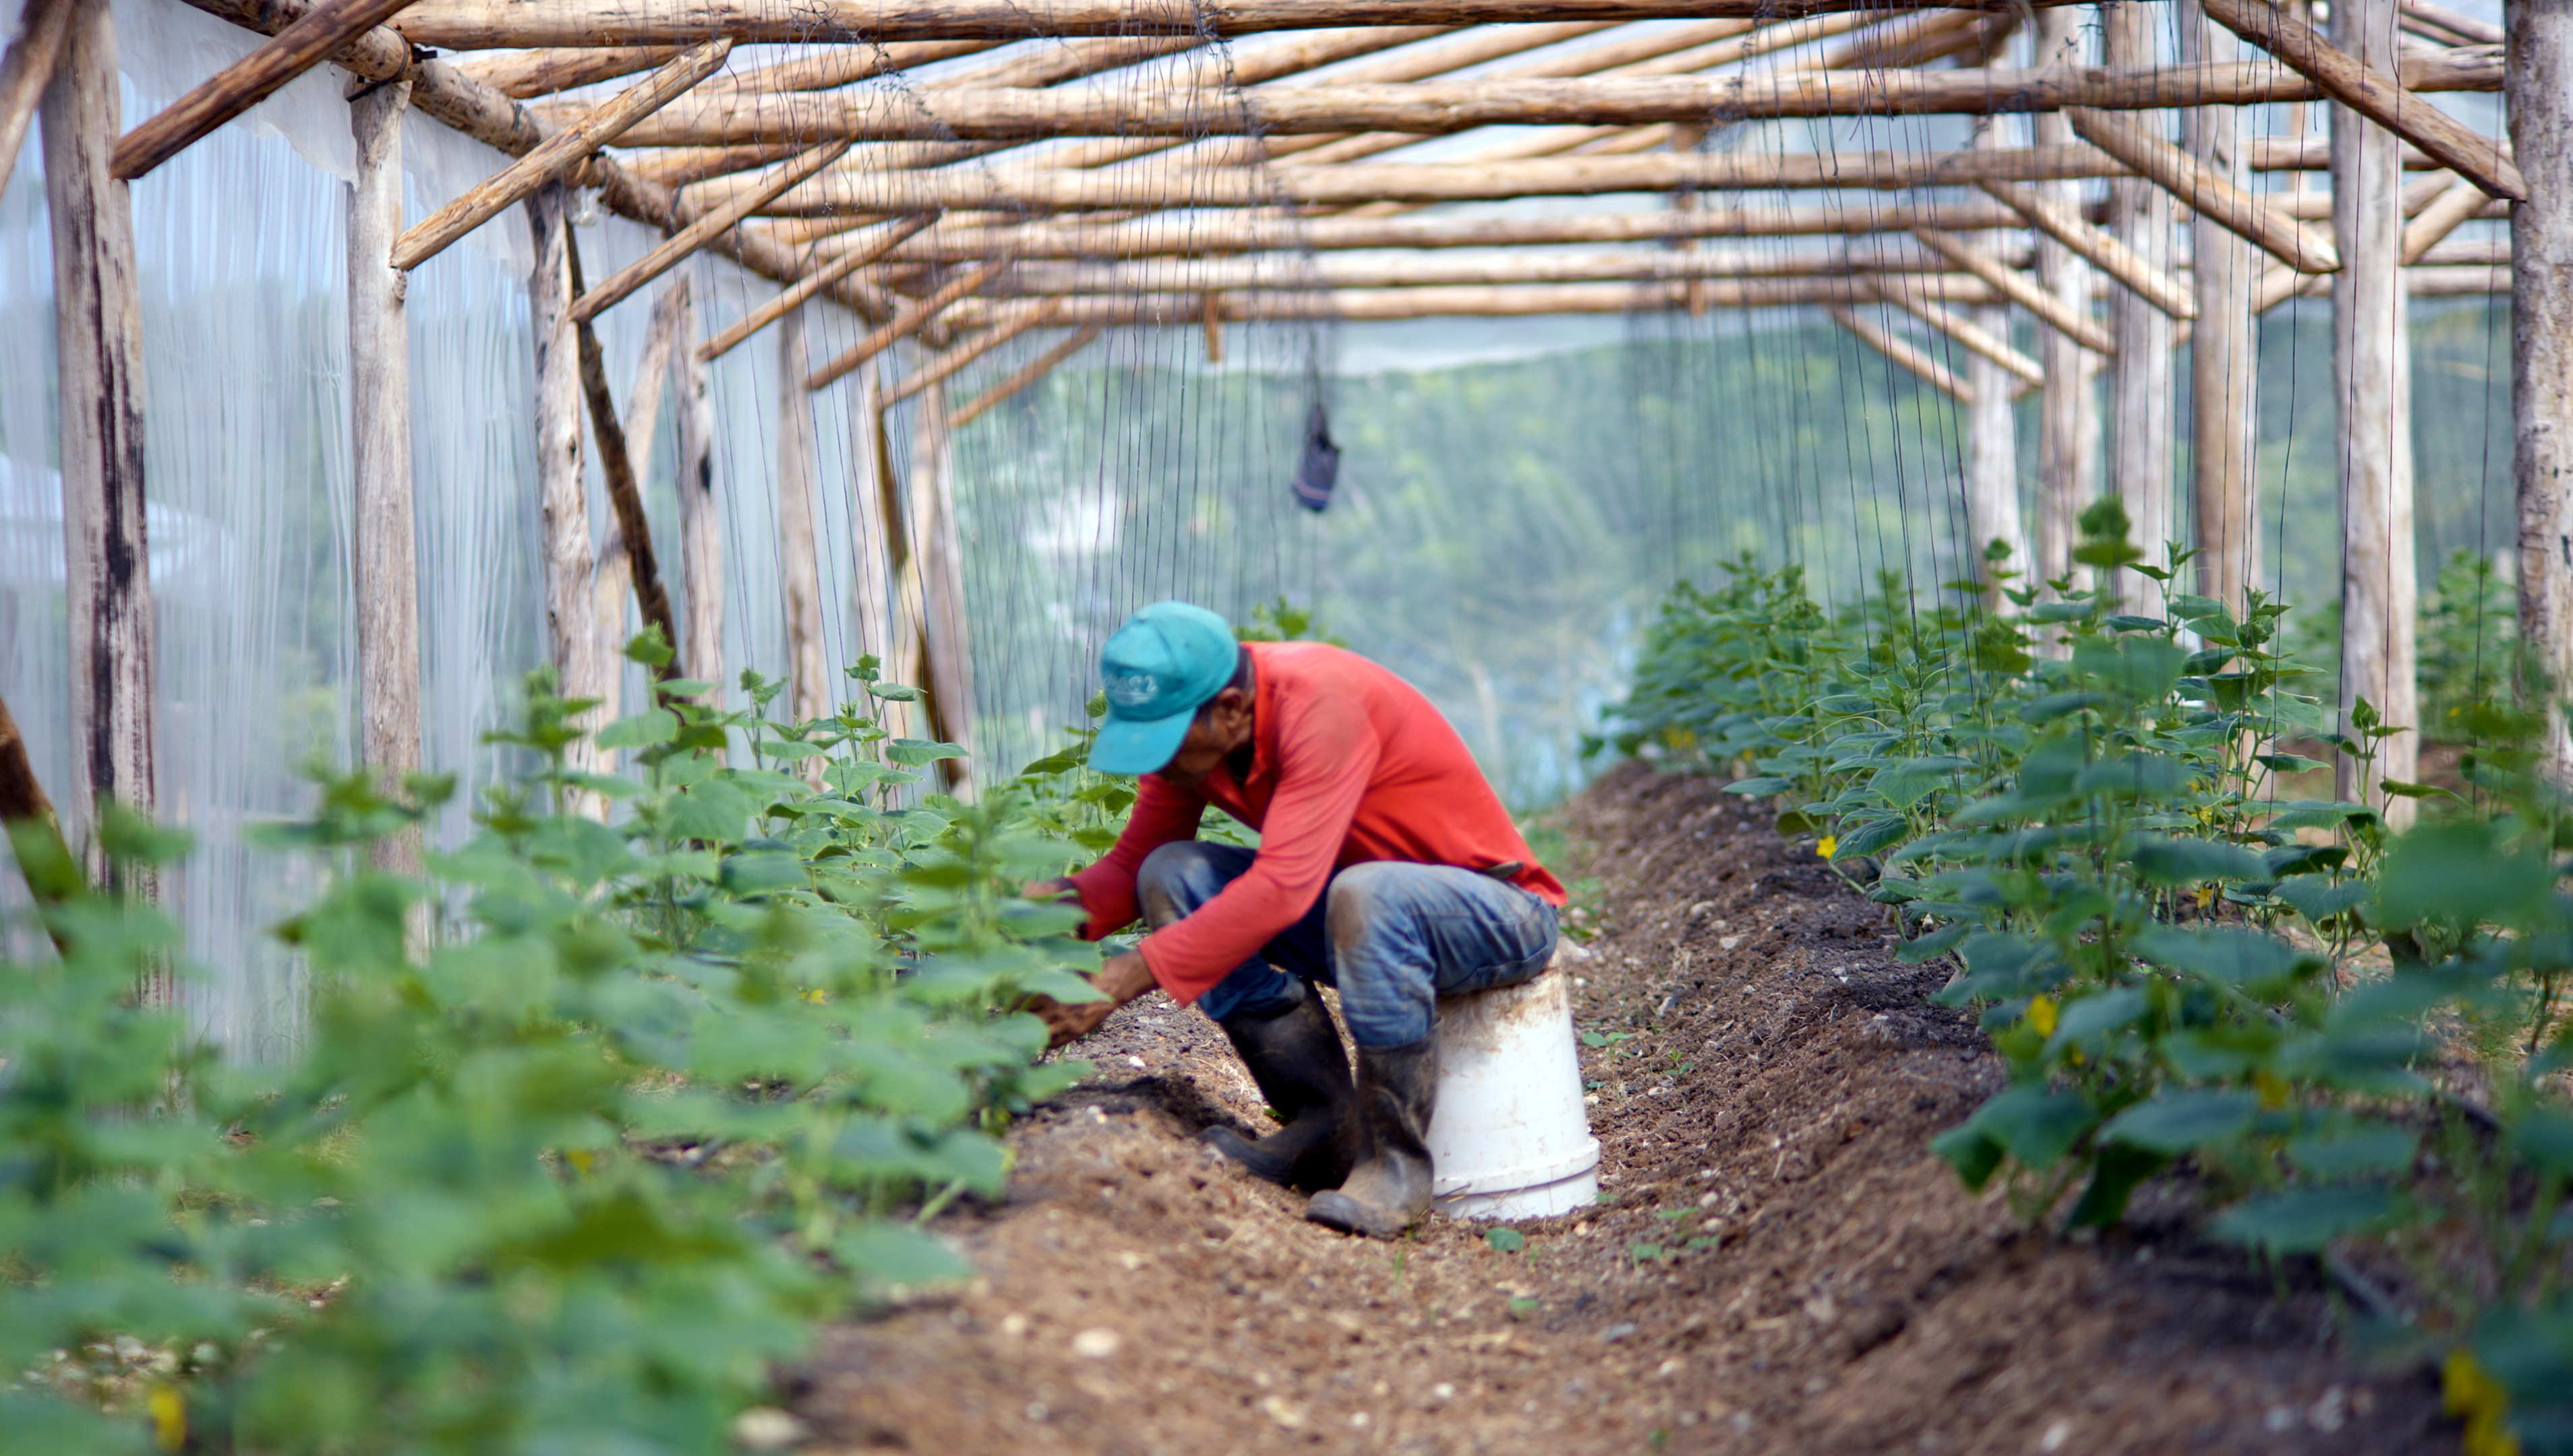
column 2541, row 362
column 388, row 551
column 556, row 155
column 875, row 518
column 905, row 323
column 2067, row 437
column 2141, row 375
column 1992, row 424
column 942, row 579
column 2447, row 213
column 571, row 630
column 1340, row 271
column 1437, row 108
column 97, row 317
column 2225, row 350
column 1036, row 368
column 624, row 491
column 2217, row 197
column 525, row 75
column 948, row 363
column 249, row 81
column 701, row 521
column 798, row 566
column 2070, row 320
column 25, row 71
column 2370, row 365
column 802, row 289
column 1981, row 338
column 1935, row 373
column 667, row 255
column 2375, row 86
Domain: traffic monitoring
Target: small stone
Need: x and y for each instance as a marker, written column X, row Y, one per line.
column 2330, row 1413
column 1671, row 1367
column 1358, row 1420
column 1728, row 942
column 1037, row 1412
column 2057, row 1433
column 1616, row 1332
column 1014, row 1326
column 766, row 1428
column 2280, row 1419
column 1283, row 1413
column 1442, row 1391
column 1134, row 1061
column 1095, row 1344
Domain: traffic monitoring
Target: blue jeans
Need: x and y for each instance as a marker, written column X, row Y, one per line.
column 1392, row 937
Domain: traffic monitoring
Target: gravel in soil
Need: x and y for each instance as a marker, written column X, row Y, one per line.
column 1778, row 1261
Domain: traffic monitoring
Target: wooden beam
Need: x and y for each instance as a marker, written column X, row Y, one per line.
column 249, row 81
column 2372, row 93
column 938, row 559
column 904, row 324
column 2224, row 374
column 1976, row 339
column 386, row 553
column 2467, row 29
column 1502, row 301
column 97, row 317
column 467, row 25
column 25, row 70
column 2447, row 213
column 2541, row 353
column 1035, row 369
column 946, row 365
column 1437, row 108
column 2099, row 248
column 1935, row 373
column 2204, row 192
column 1288, row 272
column 2068, row 434
column 2073, row 324
column 803, row 289
column 1246, row 233
column 1032, row 190
column 525, row 75
column 556, row 155
column 831, row 68
column 668, row 253
column 2141, row 418
column 671, row 312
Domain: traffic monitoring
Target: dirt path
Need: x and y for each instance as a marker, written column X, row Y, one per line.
column 1784, row 1265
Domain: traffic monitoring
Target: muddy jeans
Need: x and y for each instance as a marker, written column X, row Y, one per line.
column 1392, row 937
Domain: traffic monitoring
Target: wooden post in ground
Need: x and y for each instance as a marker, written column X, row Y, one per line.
column 571, row 634
column 2541, row 363
column 2225, row 350
column 98, row 316
column 387, row 553
column 2372, row 369
column 799, row 568
column 932, row 512
column 2140, row 452
column 1992, row 436
column 700, row 523
column 2068, row 438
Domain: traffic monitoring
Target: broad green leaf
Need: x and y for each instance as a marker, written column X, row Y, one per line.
column 2191, row 861
column 2303, row 1221
column 2234, row 955
column 2034, row 1123
column 2179, row 1121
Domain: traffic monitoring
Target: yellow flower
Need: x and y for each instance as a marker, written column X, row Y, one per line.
column 2272, row 1088
column 169, row 1417
column 2481, row 1402
column 1830, row 842
column 2040, row 1014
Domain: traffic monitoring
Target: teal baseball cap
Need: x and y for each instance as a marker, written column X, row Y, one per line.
column 1157, row 671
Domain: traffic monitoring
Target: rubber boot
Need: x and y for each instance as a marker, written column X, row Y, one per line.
column 1390, row 1178
column 1295, row 1059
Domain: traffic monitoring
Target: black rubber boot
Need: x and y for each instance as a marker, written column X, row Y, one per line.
column 1296, row 1059
column 1390, row 1178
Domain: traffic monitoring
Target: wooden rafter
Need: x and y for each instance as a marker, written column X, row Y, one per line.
column 2020, row 288
column 802, row 289
column 2096, row 246
column 700, row 231
column 2206, row 193
column 1903, row 354
column 948, row 363
column 249, row 81
column 903, row 324
column 24, row 71
column 1035, row 369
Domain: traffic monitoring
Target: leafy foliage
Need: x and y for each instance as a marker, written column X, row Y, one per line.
column 2073, row 800
column 599, row 1117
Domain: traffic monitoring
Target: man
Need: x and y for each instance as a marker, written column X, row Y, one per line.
column 1386, row 867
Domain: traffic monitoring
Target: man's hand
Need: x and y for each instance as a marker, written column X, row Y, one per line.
column 1058, row 887
column 1123, row 979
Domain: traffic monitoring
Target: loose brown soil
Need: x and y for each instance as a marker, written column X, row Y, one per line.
column 1783, row 1266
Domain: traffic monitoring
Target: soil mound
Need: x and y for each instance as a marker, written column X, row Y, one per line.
column 1779, row 1262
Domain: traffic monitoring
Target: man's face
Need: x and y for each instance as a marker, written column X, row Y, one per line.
column 1215, row 735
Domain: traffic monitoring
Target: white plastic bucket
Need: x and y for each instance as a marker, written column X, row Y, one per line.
column 1509, row 1139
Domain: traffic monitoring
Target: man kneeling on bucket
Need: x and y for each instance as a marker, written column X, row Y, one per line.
column 1387, row 867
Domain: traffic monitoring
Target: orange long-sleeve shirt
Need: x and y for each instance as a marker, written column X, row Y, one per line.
column 1349, row 764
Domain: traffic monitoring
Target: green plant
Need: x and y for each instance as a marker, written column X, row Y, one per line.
column 2069, row 798
column 577, row 1168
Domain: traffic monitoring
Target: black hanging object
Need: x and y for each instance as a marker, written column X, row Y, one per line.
column 1319, row 470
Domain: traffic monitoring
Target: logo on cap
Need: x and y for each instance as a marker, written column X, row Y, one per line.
column 1133, row 689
